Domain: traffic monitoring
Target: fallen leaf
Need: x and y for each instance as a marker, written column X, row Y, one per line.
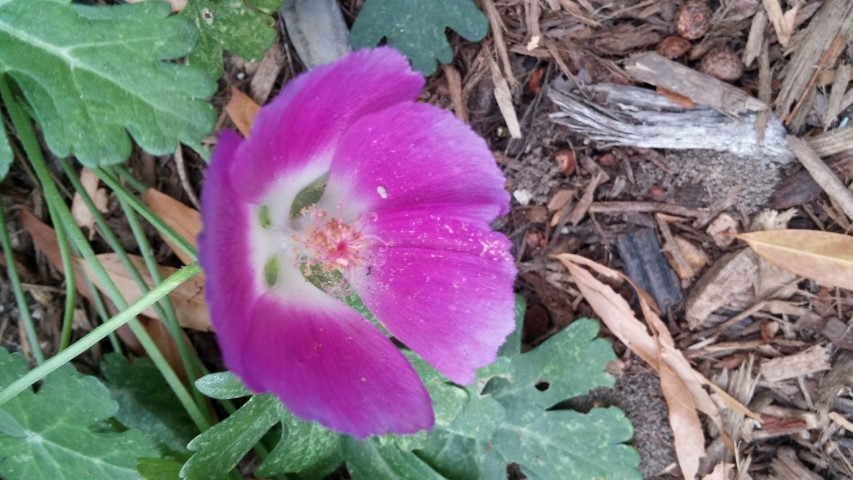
column 683, row 387
column 186, row 221
column 241, row 109
column 79, row 210
column 188, row 298
column 177, row 5
column 824, row 257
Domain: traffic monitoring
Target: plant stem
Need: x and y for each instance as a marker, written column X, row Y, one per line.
column 146, row 213
column 99, row 332
column 19, row 291
column 70, row 281
column 28, row 139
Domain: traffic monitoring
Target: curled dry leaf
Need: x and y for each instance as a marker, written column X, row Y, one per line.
column 177, row 5
column 241, row 109
column 824, row 257
column 683, row 387
column 188, row 298
column 79, row 210
column 186, row 221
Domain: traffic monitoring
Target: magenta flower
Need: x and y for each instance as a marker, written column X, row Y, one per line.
column 404, row 218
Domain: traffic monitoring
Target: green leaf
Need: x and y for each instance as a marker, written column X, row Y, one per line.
column 417, row 28
column 219, row 449
column 368, row 460
column 547, row 443
column 159, row 469
column 222, row 386
column 242, row 27
column 6, row 155
column 451, row 455
column 568, row 444
column 61, row 432
column 303, row 445
column 94, row 73
column 146, row 403
column 512, row 345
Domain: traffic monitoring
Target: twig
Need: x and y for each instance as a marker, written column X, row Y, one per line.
column 822, row 174
column 182, row 174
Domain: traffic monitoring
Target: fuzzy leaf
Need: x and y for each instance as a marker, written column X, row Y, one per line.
column 509, row 420
column 242, row 27
column 146, row 402
column 61, row 433
column 219, row 449
column 368, row 460
column 222, row 386
column 311, row 445
column 6, row 155
column 417, row 28
column 91, row 74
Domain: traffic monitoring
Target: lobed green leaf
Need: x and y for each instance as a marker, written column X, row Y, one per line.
column 93, row 74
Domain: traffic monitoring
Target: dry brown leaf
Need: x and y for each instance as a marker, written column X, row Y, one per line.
column 683, row 387
column 177, row 5
column 824, row 257
column 81, row 213
column 188, row 298
column 186, row 221
column 241, row 109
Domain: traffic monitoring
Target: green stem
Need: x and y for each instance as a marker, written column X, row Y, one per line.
column 128, row 177
column 98, row 334
column 23, row 308
column 146, row 213
column 70, row 281
column 28, row 139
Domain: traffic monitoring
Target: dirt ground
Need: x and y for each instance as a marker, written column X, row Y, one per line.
column 620, row 145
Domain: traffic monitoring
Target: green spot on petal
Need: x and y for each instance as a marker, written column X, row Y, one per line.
column 265, row 217
column 271, row 271
column 308, row 196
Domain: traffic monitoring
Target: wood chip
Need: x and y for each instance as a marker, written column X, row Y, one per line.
column 504, row 98
column 702, row 89
column 639, row 117
column 788, row 467
column 822, row 174
column 586, row 200
column 498, row 34
column 816, row 49
column 832, row 142
column 835, row 105
column 266, row 75
column 728, row 277
column 755, row 41
column 777, row 18
column 454, row 84
column 811, row 360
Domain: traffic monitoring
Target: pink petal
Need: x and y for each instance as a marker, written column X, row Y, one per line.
column 303, row 123
column 327, row 363
column 223, row 254
column 415, row 156
column 442, row 286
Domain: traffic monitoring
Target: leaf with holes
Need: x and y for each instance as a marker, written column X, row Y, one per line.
column 93, row 74
column 61, row 432
column 418, row 28
column 242, row 27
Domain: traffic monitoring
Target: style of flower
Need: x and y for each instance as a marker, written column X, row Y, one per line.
column 403, row 222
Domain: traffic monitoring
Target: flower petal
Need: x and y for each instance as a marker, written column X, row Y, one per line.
column 327, row 363
column 415, row 155
column 442, row 286
column 302, row 124
column 223, row 254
